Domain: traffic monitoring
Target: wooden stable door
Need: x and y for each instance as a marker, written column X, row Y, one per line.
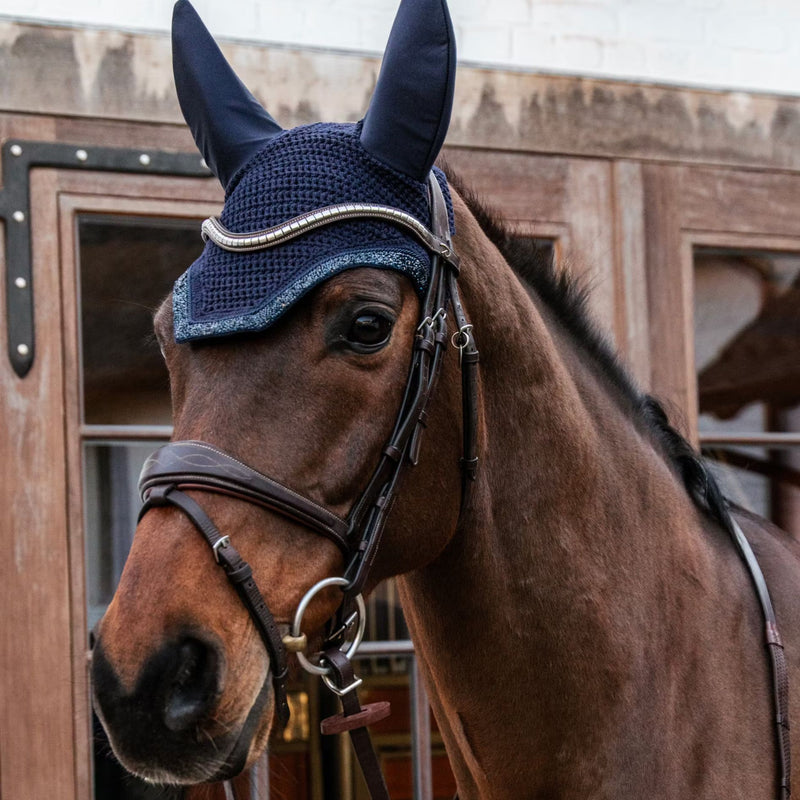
column 694, row 271
column 691, row 268
column 724, row 252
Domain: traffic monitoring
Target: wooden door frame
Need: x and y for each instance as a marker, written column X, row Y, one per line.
column 116, row 196
column 690, row 206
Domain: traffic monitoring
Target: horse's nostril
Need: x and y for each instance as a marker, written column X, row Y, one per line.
column 192, row 686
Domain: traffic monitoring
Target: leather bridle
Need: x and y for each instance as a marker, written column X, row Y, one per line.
column 189, row 465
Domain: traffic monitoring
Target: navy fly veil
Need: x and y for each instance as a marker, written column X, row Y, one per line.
column 272, row 175
column 298, row 171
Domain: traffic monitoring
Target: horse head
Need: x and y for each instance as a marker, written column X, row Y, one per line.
column 289, row 360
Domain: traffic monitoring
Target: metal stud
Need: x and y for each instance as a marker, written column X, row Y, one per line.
column 81, row 155
column 144, row 160
column 16, row 150
column 23, row 349
column 19, row 216
column 20, row 283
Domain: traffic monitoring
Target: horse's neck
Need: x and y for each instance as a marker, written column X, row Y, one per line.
column 532, row 621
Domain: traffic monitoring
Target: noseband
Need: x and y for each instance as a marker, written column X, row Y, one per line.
column 179, row 466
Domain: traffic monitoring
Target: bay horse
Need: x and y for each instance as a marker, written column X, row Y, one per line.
column 584, row 625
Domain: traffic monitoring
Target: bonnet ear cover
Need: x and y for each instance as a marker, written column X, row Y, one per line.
column 228, row 124
column 410, row 108
column 272, row 176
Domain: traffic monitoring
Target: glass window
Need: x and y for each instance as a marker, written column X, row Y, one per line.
column 747, row 346
column 111, row 473
column 127, row 266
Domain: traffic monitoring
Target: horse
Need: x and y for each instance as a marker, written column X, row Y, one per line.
column 584, row 624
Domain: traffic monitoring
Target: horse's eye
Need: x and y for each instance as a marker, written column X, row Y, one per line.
column 369, row 331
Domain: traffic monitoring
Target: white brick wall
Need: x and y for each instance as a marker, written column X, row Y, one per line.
column 739, row 44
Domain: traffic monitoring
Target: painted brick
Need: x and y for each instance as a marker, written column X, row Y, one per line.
column 669, row 60
column 749, row 32
column 481, row 43
column 474, row 12
column 624, row 57
column 579, row 54
column 660, row 23
column 531, row 47
column 574, row 19
column 509, row 11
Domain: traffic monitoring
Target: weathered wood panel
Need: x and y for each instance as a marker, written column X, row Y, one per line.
column 515, row 186
column 116, row 75
column 591, row 256
column 567, row 199
column 740, row 201
column 629, row 236
column 36, row 714
column 672, row 377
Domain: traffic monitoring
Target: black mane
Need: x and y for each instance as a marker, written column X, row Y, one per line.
column 567, row 300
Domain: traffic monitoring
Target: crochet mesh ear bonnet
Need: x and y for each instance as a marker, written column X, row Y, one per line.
column 272, row 175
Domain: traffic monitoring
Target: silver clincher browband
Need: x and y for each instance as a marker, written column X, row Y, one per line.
column 212, row 229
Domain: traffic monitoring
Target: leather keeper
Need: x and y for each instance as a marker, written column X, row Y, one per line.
column 470, row 467
column 239, row 575
column 392, row 452
column 157, row 496
column 369, row 714
column 425, row 343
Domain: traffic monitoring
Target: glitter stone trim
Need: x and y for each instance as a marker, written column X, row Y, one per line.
column 234, row 242
column 262, row 318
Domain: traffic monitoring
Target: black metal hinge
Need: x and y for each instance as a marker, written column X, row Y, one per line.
column 18, row 158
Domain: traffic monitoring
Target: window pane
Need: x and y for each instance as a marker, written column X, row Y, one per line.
column 747, row 341
column 127, row 267
column 111, row 472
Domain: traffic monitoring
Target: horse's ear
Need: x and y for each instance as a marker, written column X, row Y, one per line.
column 228, row 124
column 410, row 109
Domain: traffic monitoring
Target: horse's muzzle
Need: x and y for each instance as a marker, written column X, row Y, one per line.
column 164, row 729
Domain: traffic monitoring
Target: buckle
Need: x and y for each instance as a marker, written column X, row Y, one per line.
column 336, row 690
column 223, row 541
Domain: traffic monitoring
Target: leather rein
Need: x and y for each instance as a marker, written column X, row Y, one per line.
column 187, row 465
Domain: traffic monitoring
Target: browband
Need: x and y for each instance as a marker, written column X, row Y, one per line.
column 214, row 230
